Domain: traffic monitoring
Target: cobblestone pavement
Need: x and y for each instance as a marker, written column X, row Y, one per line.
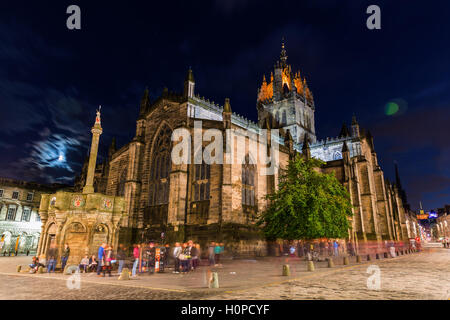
column 422, row 275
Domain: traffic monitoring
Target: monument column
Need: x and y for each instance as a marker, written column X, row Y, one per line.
column 96, row 132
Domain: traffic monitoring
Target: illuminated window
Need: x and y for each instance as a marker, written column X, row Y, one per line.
column 11, row 214
column 26, row 214
column 15, row 195
column 201, row 184
column 38, row 217
column 248, row 182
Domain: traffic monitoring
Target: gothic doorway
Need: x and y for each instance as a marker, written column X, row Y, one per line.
column 76, row 238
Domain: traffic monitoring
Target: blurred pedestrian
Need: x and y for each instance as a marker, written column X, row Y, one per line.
column 336, row 248
column 121, row 256
column 211, row 253
column 109, row 257
column 51, row 258
column 136, row 256
column 65, row 256
column 217, row 252
column 101, row 258
column 176, row 256
column 196, row 253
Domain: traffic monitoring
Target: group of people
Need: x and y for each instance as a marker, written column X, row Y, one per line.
column 145, row 257
column 446, row 243
column 313, row 250
column 186, row 256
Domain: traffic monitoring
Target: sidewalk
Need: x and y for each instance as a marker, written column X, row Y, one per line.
column 233, row 275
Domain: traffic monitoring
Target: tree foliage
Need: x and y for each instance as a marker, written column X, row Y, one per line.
column 307, row 205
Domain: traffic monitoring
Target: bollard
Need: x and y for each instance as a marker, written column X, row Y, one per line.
column 18, row 268
column 368, row 257
column 386, row 255
column 346, row 262
column 311, row 266
column 330, row 263
column 125, row 274
column 214, row 281
column 286, row 270
column 377, row 256
column 41, row 269
column 358, row 258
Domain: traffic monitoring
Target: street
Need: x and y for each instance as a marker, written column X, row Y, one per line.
column 423, row 275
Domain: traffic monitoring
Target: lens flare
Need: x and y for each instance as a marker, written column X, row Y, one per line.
column 391, row 108
column 395, row 107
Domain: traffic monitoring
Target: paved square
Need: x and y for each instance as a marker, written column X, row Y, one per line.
column 423, row 275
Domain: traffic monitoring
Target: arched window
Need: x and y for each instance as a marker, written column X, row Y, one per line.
column 248, row 182
column 201, row 184
column 284, row 120
column 121, row 185
column 160, row 166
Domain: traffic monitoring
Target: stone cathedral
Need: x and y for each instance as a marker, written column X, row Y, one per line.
column 220, row 202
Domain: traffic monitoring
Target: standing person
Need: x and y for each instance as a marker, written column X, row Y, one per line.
column 350, row 249
column 299, row 248
column 292, row 250
column 217, row 251
column 151, row 252
column 101, row 258
column 195, row 255
column 136, row 256
column 184, row 258
column 211, row 253
column 121, row 256
column 188, row 252
column 166, row 256
column 336, row 248
column 321, row 247
column 176, row 256
column 109, row 257
column 51, row 258
column 65, row 256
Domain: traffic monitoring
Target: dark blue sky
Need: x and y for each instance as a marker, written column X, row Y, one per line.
column 52, row 79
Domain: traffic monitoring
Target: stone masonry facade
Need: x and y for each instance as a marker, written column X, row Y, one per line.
column 219, row 202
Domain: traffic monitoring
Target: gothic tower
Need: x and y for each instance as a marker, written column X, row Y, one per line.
column 288, row 100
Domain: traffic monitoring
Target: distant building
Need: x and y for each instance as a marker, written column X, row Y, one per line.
column 20, row 223
column 443, row 222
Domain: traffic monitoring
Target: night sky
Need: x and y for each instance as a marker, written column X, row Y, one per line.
column 52, row 79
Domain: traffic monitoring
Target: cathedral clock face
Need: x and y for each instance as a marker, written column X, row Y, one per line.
column 77, row 201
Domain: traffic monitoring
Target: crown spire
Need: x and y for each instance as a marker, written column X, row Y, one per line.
column 283, row 56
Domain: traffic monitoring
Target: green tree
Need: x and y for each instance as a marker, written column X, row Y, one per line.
column 307, row 205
